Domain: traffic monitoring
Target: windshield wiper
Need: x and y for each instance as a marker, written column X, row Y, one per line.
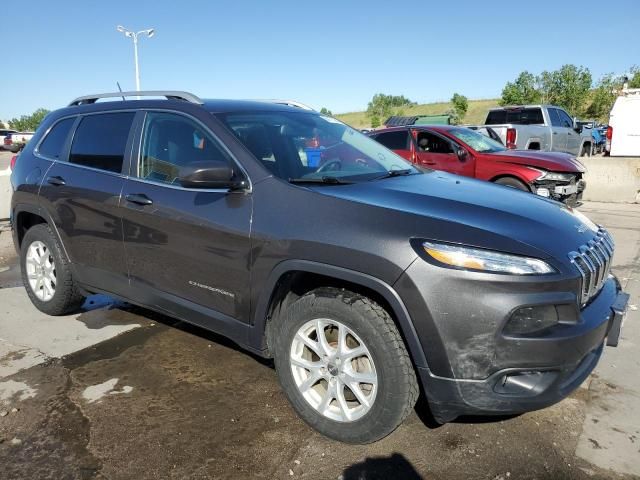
column 395, row 173
column 322, row 180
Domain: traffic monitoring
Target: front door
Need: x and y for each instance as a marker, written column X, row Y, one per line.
column 82, row 192
column 558, row 131
column 439, row 153
column 188, row 249
column 574, row 140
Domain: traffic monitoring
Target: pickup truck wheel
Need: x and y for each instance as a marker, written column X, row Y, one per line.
column 586, row 151
column 343, row 365
column 46, row 274
column 513, row 183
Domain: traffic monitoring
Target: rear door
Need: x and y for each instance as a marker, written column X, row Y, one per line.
column 82, row 192
column 188, row 249
column 399, row 141
column 558, row 131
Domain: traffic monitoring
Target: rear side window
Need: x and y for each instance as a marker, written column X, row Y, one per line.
column 394, row 140
column 520, row 116
column 53, row 143
column 100, row 141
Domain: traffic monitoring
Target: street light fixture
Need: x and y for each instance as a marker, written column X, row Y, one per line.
column 150, row 32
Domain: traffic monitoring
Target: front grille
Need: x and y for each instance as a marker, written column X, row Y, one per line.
column 593, row 261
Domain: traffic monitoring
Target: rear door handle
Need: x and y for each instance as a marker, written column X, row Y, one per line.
column 139, row 198
column 57, row 181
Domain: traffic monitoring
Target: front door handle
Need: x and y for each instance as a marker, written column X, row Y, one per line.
column 139, row 198
column 57, row 181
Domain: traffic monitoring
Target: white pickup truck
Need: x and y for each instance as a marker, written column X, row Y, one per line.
column 16, row 141
column 539, row 127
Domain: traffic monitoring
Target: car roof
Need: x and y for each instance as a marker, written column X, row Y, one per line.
column 438, row 128
column 225, row 106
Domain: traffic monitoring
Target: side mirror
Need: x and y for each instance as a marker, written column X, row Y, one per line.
column 576, row 126
column 209, row 174
column 462, row 154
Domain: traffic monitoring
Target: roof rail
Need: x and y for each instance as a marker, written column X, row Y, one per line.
column 291, row 103
column 169, row 94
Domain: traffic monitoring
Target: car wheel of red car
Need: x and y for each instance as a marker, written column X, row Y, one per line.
column 513, row 183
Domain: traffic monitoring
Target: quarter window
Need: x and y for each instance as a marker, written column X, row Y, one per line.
column 100, row 141
column 171, row 142
column 53, row 143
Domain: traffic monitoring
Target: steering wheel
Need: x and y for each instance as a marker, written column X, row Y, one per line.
column 330, row 166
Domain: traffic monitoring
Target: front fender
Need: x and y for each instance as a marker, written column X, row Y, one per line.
column 400, row 312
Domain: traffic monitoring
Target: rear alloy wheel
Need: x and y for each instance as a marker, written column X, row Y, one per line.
column 46, row 274
column 586, row 151
column 343, row 365
column 41, row 271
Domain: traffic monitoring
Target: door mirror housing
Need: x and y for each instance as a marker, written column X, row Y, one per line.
column 210, row 174
column 576, row 126
column 462, row 154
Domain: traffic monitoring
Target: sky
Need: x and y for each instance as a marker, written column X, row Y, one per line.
column 331, row 53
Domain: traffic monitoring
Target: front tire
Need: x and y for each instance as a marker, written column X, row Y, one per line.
column 343, row 365
column 46, row 274
column 512, row 183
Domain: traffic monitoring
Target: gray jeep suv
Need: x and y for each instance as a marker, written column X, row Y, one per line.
column 365, row 279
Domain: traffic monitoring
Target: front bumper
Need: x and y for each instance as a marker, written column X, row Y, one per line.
column 568, row 193
column 475, row 369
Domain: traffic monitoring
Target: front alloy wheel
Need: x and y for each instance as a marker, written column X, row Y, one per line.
column 333, row 370
column 41, row 271
column 343, row 364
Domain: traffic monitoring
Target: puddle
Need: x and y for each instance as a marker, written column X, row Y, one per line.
column 10, row 391
column 96, row 392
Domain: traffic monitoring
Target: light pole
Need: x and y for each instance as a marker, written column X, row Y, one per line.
column 128, row 33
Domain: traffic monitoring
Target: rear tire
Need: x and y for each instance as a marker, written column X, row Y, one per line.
column 357, row 398
column 512, row 183
column 586, row 151
column 46, row 274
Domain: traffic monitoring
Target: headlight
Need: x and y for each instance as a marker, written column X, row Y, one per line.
column 555, row 176
column 485, row 260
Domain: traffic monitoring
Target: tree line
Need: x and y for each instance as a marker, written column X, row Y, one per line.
column 570, row 87
column 27, row 123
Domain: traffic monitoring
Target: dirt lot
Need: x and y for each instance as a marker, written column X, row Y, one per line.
column 167, row 400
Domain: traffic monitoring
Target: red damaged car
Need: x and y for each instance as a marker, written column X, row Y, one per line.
column 465, row 152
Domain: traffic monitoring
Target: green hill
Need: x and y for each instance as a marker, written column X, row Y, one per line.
column 476, row 113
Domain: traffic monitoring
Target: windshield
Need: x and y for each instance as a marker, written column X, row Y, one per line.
column 305, row 145
column 477, row 141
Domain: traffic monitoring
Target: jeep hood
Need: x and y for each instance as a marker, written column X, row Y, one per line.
column 552, row 161
column 451, row 208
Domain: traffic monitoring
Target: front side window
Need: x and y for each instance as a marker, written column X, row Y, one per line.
column 170, row 142
column 53, row 143
column 305, row 145
column 565, row 119
column 100, row 141
column 477, row 141
column 554, row 117
column 432, row 143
